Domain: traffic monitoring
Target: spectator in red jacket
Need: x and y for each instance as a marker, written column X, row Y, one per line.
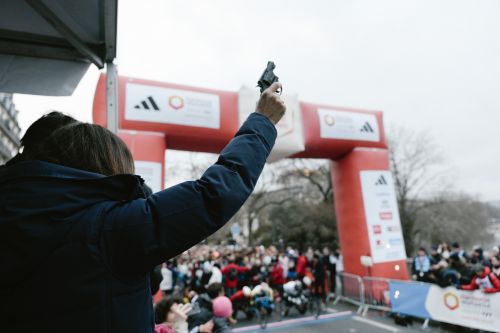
column 277, row 278
column 485, row 280
column 301, row 266
column 231, row 272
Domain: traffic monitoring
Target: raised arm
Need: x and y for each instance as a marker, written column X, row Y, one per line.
column 142, row 233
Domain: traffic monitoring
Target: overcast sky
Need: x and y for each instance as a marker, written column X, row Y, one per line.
column 430, row 65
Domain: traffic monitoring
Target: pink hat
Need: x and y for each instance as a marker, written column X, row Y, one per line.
column 222, row 307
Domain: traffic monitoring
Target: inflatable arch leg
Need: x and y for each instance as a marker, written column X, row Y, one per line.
column 363, row 187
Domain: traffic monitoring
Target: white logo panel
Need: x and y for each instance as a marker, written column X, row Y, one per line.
column 382, row 216
column 466, row 308
column 171, row 106
column 348, row 125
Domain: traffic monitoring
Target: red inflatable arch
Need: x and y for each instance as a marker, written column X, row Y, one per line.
column 154, row 116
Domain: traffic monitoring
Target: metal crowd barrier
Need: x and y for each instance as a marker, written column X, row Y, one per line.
column 365, row 292
column 377, row 295
column 352, row 290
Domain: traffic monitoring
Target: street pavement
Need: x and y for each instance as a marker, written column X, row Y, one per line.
column 338, row 319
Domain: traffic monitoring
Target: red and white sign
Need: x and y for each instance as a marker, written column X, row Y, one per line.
column 381, row 209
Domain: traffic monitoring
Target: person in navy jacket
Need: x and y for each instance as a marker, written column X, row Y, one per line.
column 78, row 236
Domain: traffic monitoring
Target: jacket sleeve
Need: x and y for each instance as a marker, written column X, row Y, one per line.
column 471, row 286
column 242, row 269
column 140, row 234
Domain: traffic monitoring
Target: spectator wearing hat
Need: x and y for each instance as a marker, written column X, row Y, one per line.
column 479, row 258
column 222, row 309
column 484, row 280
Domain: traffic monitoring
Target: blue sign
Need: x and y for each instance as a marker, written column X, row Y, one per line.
column 235, row 230
column 409, row 298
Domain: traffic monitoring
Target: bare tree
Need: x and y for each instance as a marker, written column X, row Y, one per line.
column 269, row 192
column 307, row 216
column 307, row 182
column 453, row 217
column 414, row 158
column 313, row 176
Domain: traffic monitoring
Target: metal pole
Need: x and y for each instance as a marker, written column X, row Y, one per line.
column 111, row 97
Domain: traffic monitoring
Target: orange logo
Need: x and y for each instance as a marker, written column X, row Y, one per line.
column 329, row 120
column 451, row 301
column 176, row 102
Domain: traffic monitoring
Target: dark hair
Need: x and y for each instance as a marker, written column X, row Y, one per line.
column 163, row 307
column 214, row 289
column 40, row 130
column 87, row 147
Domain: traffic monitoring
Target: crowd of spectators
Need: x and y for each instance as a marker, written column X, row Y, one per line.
column 453, row 266
column 196, row 291
column 195, row 288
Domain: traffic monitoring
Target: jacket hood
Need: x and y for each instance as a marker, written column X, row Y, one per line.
column 35, row 173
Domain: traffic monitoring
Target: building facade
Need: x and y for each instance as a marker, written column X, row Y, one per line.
column 9, row 128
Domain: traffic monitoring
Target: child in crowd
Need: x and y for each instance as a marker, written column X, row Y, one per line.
column 171, row 315
column 222, row 309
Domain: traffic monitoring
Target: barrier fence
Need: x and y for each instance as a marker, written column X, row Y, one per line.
column 472, row 309
column 352, row 290
column 377, row 293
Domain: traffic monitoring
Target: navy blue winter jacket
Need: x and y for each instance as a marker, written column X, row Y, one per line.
column 76, row 247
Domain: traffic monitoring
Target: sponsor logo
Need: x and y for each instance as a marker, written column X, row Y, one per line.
column 176, row 102
column 385, row 215
column 147, row 104
column 451, row 301
column 393, row 228
column 329, row 119
column 381, row 180
column 367, row 128
column 377, row 229
column 395, row 241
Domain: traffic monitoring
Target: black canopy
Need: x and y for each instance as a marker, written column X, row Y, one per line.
column 46, row 46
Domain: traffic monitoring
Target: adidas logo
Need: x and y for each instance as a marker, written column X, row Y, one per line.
column 381, row 181
column 367, row 128
column 147, row 104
